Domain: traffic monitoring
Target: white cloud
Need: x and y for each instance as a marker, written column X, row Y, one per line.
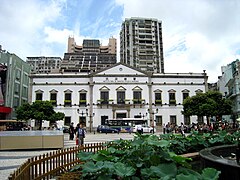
column 22, row 23
column 56, row 35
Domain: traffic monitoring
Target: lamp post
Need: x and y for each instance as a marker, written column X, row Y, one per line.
column 90, row 115
column 151, row 113
column 142, row 115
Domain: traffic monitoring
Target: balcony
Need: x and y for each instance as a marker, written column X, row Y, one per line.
column 54, row 102
column 83, row 102
column 158, row 102
column 68, row 103
column 172, row 102
column 138, row 101
column 104, row 101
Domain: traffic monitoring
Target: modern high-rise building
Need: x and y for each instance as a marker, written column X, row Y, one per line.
column 141, row 44
column 14, row 84
column 42, row 64
column 89, row 57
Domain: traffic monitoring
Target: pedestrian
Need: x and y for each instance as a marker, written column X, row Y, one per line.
column 80, row 134
column 71, row 132
column 139, row 128
column 182, row 129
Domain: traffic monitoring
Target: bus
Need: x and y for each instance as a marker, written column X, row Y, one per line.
column 11, row 125
column 125, row 124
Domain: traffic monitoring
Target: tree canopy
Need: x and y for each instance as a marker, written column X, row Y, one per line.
column 207, row 104
column 38, row 110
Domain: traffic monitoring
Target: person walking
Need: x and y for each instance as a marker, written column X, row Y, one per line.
column 80, row 134
column 71, row 132
column 182, row 129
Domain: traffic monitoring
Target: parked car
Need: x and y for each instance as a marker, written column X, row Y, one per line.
column 65, row 129
column 145, row 128
column 106, row 129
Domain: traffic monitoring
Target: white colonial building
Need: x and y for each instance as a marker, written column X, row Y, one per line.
column 120, row 91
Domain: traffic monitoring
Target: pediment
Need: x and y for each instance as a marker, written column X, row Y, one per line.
column 82, row 91
column 137, row 88
column 121, row 70
column 39, row 91
column 104, row 88
column 53, row 91
column 120, row 88
column 158, row 91
column 68, row 91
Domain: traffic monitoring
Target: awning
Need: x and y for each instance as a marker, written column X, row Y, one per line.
column 5, row 110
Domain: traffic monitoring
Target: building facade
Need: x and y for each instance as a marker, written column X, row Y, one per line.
column 141, row 44
column 44, row 64
column 14, row 89
column 229, row 86
column 89, row 57
column 119, row 91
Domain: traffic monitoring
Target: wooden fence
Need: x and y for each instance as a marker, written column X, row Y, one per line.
column 50, row 165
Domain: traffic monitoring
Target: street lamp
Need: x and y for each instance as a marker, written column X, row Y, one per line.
column 151, row 113
column 87, row 115
column 142, row 115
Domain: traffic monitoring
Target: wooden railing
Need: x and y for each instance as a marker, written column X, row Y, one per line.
column 50, row 165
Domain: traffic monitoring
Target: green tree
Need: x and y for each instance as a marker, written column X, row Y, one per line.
column 207, row 104
column 38, row 110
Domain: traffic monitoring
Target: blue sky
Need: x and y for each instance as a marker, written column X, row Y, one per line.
column 197, row 34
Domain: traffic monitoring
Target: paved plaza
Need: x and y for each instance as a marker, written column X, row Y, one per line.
column 10, row 160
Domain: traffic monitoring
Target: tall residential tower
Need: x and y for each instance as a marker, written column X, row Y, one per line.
column 141, row 44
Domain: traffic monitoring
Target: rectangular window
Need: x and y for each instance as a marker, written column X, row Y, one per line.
column 83, row 99
column 187, row 120
column 53, row 99
column 185, row 95
column 104, row 97
column 200, row 120
column 18, row 74
column 172, row 99
column 67, row 120
column 39, row 96
column 17, row 88
column 158, row 120
column 121, row 97
column 173, row 120
column 82, row 120
column 16, row 102
column 158, row 98
column 137, row 97
column 25, row 79
column 103, row 120
column 25, row 92
column 68, row 99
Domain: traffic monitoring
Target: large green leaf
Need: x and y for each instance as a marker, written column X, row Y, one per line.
column 91, row 167
column 186, row 171
column 166, row 169
column 102, row 157
column 84, row 156
column 186, row 177
column 210, row 174
column 182, row 161
column 124, row 170
column 147, row 172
